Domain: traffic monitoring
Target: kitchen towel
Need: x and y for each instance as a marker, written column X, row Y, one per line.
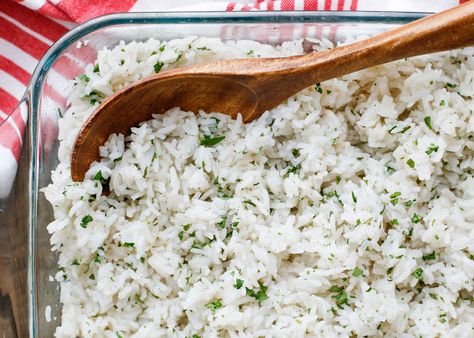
column 29, row 27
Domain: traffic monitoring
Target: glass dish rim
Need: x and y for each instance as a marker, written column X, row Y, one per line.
column 31, row 96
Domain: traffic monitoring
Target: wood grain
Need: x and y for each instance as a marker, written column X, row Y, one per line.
column 252, row 86
column 14, row 255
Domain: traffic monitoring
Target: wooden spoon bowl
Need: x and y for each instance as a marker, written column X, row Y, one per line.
column 252, row 86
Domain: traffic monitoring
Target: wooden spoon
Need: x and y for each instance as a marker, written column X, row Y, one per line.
column 252, row 86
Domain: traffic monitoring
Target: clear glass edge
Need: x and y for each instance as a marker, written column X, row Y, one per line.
column 31, row 95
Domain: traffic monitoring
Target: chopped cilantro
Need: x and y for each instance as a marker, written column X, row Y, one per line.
column 162, row 48
column 415, row 218
column 390, row 170
column 209, row 141
column 96, row 68
column 180, row 235
column 336, row 288
column 394, row 221
column 214, row 305
column 250, row 202
column 75, row 262
column 433, row 295
column 142, row 260
column 318, row 88
column 394, row 197
column 238, row 283
column 357, row 272
column 354, row 198
column 86, row 220
column 259, row 295
column 429, row 256
column 427, row 120
column 195, row 336
column 451, row 85
column 221, row 224
column 409, row 203
column 98, row 176
column 405, row 129
column 83, row 77
column 411, row 163
column 129, row 244
column 118, row 335
column 418, row 273
column 92, row 276
column 442, row 103
column 340, row 299
column 431, row 149
column 389, row 270
column 295, row 152
column 293, row 170
column 338, row 179
column 157, row 67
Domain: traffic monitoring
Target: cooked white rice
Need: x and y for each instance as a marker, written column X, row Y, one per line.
column 345, row 211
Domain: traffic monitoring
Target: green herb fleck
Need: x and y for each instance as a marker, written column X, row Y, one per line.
column 129, row 244
column 209, row 141
column 389, row 270
column 180, row 235
column 92, row 276
column 418, row 273
column 431, row 149
column 250, row 202
column 157, row 67
column 83, row 77
column 394, row 221
column 340, row 298
column 394, row 197
column 427, row 120
column 293, row 170
column 415, row 218
column 214, row 305
column 221, row 224
column 86, row 220
column 451, row 85
column 98, row 176
column 238, row 283
column 336, row 288
column 318, row 88
column 411, row 163
column 442, row 103
column 259, row 295
column 96, row 68
column 75, row 262
column 295, row 152
column 357, row 272
column 142, row 260
column 354, row 198
column 338, row 179
column 429, row 256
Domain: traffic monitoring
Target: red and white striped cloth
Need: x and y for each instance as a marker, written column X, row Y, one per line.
column 29, row 27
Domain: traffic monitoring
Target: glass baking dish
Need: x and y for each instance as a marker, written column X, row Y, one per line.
column 45, row 101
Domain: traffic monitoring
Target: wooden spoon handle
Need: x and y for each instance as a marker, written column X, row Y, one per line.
column 446, row 30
